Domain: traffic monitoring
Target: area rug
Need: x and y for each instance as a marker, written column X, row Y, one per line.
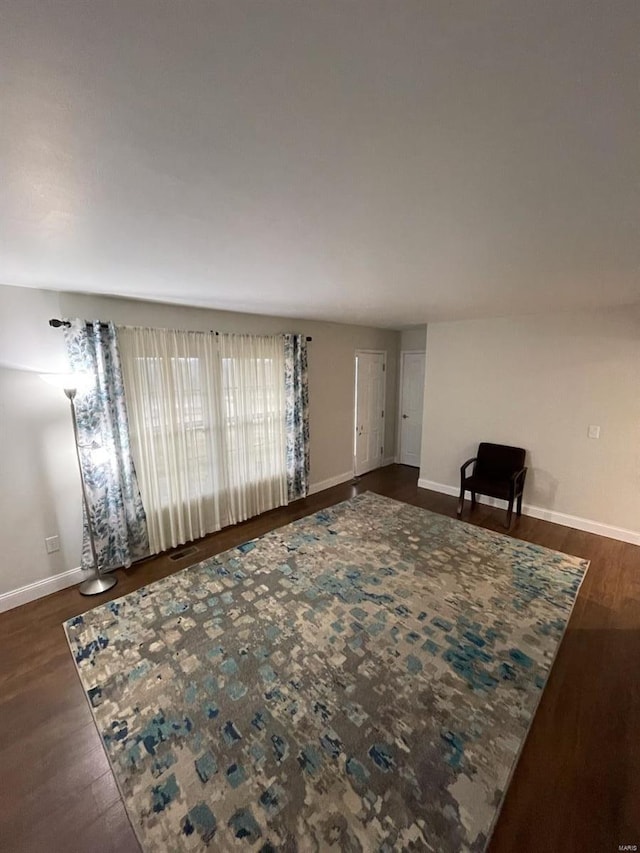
column 360, row 680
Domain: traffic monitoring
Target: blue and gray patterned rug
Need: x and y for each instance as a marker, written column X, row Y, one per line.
column 360, row 680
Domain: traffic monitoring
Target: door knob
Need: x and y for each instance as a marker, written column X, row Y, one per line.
column 405, row 416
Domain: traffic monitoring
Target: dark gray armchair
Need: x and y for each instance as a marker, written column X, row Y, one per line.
column 498, row 471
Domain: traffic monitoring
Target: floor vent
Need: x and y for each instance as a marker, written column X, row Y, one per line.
column 181, row 555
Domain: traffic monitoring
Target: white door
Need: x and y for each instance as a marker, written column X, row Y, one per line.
column 369, row 415
column 411, row 398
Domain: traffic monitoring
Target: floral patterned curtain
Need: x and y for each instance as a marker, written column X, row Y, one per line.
column 117, row 516
column 297, row 415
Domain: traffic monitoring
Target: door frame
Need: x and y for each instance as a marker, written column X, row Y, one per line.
column 402, row 354
column 383, row 353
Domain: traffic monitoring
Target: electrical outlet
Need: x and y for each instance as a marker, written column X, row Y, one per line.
column 593, row 431
column 52, row 543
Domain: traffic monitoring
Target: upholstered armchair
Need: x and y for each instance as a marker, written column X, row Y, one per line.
column 499, row 472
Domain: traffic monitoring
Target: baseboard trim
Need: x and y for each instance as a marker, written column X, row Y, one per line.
column 389, row 460
column 566, row 520
column 38, row 589
column 330, row 482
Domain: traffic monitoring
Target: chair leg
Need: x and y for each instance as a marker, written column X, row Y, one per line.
column 509, row 514
column 519, row 505
column 461, row 502
column 473, row 500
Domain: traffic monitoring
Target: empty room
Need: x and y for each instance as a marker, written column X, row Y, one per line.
column 319, row 426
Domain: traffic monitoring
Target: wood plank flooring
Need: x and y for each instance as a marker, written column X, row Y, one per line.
column 576, row 786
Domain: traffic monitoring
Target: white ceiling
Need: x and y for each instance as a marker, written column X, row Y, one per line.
column 376, row 162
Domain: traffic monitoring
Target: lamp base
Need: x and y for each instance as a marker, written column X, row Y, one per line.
column 96, row 585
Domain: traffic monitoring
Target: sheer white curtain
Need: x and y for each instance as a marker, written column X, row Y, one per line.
column 207, row 418
column 172, row 386
column 254, row 424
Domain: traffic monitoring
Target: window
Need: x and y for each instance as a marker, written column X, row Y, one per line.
column 207, row 424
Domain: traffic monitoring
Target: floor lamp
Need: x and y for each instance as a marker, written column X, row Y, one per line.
column 69, row 383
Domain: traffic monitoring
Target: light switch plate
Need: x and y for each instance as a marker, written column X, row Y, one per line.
column 593, row 431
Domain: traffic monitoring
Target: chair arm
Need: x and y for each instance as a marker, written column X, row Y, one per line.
column 464, row 467
column 517, row 475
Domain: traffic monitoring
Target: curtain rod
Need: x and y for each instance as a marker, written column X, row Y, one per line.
column 218, row 333
column 58, row 323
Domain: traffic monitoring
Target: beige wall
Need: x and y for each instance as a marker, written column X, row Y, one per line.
column 413, row 339
column 40, row 492
column 539, row 382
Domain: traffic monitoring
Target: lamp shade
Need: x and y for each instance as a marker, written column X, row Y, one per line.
column 78, row 381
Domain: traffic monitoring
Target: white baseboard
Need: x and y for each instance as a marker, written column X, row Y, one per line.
column 38, row 589
column 344, row 478
column 586, row 524
column 332, row 481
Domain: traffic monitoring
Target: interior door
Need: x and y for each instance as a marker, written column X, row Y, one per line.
column 411, row 398
column 369, row 414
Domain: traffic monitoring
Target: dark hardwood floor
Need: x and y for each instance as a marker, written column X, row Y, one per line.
column 576, row 786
